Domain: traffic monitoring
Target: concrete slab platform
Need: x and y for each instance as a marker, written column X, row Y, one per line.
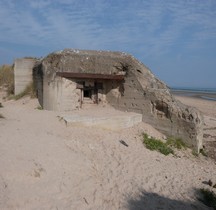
column 106, row 118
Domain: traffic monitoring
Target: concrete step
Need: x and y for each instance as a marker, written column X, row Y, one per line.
column 114, row 120
column 88, row 101
column 88, row 105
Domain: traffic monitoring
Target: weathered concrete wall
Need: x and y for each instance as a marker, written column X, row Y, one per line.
column 23, row 73
column 60, row 94
column 140, row 92
column 159, row 108
column 70, row 98
column 114, row 92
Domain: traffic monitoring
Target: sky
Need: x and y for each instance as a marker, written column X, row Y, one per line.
column 175, row 39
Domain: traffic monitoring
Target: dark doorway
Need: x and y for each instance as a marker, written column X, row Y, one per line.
column 87, row 93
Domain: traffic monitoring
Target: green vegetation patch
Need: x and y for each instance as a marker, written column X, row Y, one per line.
column 176, row 143
column 208, row 197
column 155, row 144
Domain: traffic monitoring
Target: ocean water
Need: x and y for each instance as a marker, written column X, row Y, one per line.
column 204, row 93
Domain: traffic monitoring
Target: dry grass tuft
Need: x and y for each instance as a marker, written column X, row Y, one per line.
column 29, row 90
column 7, row 78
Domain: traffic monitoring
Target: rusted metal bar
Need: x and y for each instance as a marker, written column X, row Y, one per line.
column 90, row 76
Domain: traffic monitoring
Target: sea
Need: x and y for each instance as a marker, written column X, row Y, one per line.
column 203, row 93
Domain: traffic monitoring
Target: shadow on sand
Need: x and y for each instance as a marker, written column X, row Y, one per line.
column 153, row 201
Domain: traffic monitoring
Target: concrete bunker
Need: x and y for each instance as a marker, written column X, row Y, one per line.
column 67, row 79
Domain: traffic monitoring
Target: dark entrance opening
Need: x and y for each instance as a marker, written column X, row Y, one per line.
column 87, row 93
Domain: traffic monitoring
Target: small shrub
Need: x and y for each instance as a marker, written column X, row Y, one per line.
column 1, row 116
column 155, row 144
column 1, row 106
column 176, row 143
column 202, row 151
column 195, row 153
column 39, row 108
column 208, row 198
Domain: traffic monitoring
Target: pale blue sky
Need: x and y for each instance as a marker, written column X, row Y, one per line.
column 175, row 39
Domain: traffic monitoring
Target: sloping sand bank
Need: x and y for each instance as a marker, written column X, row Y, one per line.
column 46, row 165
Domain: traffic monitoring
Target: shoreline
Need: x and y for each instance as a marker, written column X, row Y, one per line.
column 207, row 107
column 209, row 96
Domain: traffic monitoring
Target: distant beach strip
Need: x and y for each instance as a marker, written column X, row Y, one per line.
column 205, row 93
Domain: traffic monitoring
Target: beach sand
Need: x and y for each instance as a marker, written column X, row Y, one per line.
column 46, row 165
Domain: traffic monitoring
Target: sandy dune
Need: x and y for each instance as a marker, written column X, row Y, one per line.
column 46, row 165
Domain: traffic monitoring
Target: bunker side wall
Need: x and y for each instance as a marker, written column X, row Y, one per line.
column 23, row 73
column 157, row 110
column 60, row 94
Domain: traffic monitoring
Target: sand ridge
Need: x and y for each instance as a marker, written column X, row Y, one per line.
column 46, row 165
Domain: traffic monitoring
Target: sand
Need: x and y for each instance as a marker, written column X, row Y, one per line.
column 207, row 107
column 46, row 165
